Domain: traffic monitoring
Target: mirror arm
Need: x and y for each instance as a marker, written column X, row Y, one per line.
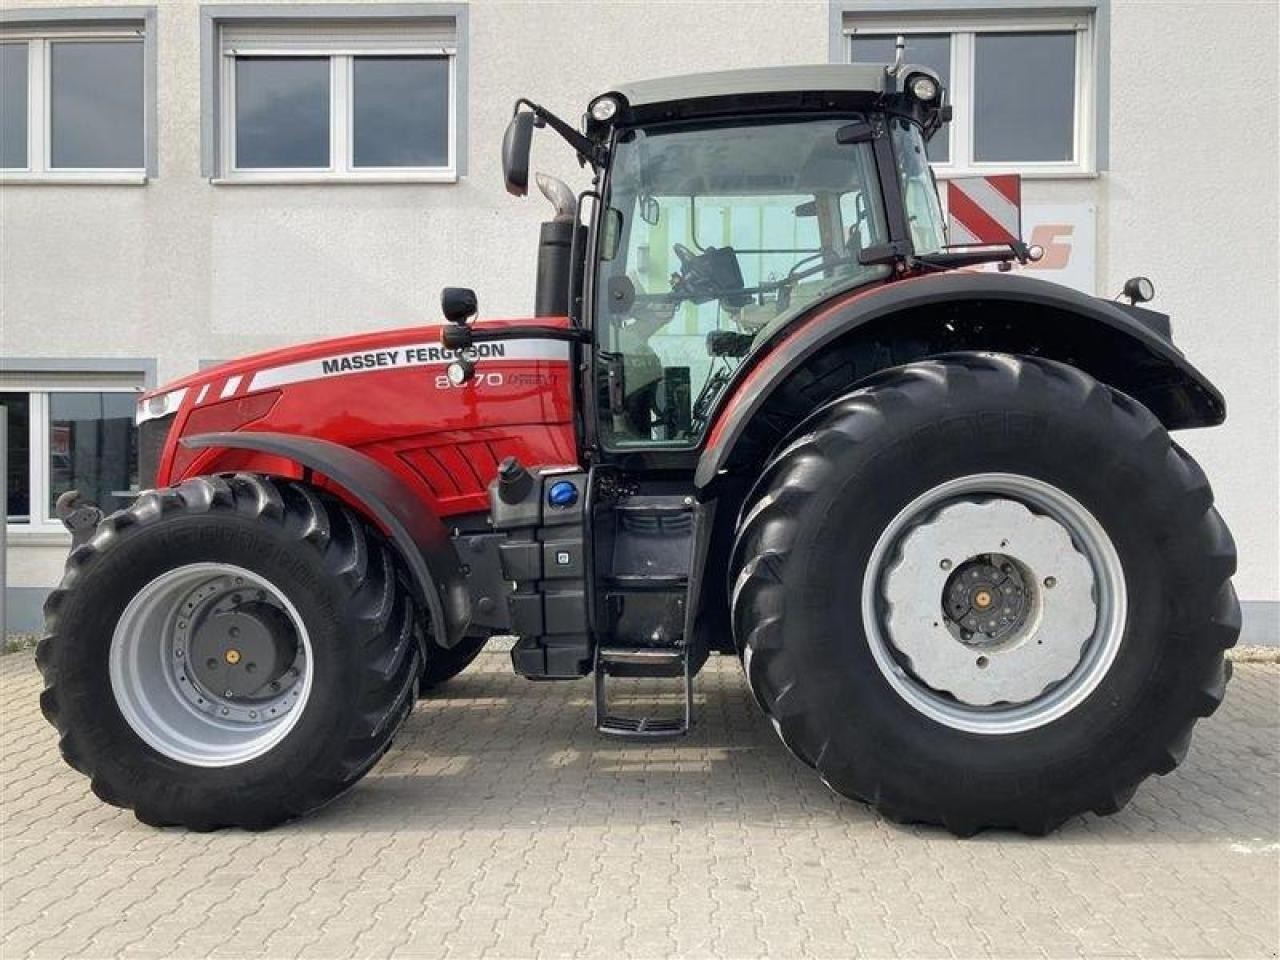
column 588, row 150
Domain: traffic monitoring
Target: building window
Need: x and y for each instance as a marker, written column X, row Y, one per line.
column 67, row 433
column 314, row 99
column 1021, row 85
column 74, row 98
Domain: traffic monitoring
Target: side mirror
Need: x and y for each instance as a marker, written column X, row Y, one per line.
column 458, row 303
column 516, row 144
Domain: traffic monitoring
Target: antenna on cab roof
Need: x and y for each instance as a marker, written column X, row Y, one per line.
column 899, row 48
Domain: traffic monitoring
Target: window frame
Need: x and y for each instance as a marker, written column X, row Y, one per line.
column 963, row 24
column 39, row 29
column 341, row 123
column 218, row 107
column 37, row 379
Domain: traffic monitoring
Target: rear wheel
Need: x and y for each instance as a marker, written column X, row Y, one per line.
column 234, row 651
column 984, row 591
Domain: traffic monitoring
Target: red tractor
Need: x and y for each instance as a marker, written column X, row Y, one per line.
column 763, row 411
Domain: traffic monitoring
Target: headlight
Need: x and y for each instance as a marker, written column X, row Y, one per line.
column 604, row 109
column 923, row 87
column 160, row 405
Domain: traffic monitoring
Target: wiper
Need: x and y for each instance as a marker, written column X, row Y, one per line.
column 1003, row 255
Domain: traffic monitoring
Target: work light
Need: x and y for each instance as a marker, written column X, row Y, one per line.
column 604, row 109
column 923, row 87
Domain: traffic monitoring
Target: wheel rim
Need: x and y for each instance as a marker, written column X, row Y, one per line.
column 994, row 603
column 211, row 664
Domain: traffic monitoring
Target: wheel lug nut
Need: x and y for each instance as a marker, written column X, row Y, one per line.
column 1050, row 582
column 945, row 564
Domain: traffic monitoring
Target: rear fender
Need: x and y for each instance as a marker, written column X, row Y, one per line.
column 883, row 326
column 414, row 528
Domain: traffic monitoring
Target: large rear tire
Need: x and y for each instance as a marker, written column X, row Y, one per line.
column 984, row 591
column 233, row 651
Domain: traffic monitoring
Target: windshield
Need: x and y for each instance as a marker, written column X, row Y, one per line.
column 713, row 235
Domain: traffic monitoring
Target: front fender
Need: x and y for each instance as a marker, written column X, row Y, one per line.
column 418, row 534
column 963, row 310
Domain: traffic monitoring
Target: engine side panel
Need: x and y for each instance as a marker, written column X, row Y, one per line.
column 386, row 395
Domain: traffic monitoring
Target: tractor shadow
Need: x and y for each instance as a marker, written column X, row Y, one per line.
column 494, row 751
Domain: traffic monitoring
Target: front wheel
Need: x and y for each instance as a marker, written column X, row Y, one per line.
column 984, row 591
column 444, row 664
column 234, row 651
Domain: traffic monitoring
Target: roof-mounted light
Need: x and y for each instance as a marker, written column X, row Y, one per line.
column 604, row 109
column 923, row 87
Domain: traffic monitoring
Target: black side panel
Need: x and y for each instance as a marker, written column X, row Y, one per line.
column 976, row 311
column 417, row 533
column 151, row 439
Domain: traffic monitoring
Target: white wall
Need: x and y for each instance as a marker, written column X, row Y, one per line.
column 183, row 270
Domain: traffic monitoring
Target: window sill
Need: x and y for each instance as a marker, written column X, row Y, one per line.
column 1026, row 173
column 367, row 179
column 79, row 178
column 20, row 535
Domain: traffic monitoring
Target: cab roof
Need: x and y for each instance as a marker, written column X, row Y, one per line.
column 826, row 77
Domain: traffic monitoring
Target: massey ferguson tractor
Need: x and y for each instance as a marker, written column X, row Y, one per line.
column 762, row 410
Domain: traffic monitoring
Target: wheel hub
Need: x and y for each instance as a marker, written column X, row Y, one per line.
column 243, row 651
column 986, row 599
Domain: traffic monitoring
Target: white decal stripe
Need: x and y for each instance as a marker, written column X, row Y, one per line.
column 230, row 386
column 401, row 356
column 960, row 234
column 993, row 203
column 204, row 392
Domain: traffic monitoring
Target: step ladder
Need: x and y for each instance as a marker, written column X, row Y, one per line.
column 672, row 662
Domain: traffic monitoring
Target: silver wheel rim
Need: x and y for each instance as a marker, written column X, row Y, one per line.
column 1052, row 589
column 169, row 701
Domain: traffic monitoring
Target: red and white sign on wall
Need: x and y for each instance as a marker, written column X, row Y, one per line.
column 984, row 210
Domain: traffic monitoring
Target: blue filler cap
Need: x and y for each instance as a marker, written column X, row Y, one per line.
column 562, row 493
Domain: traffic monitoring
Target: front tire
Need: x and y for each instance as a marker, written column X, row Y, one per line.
column 984, row 591
column 233, row 651
column 444, row 664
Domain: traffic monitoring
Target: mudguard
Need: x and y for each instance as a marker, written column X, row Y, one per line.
column 1124, row 347
column 417, row 532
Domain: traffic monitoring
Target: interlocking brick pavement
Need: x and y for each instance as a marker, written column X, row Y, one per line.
column 502, row 825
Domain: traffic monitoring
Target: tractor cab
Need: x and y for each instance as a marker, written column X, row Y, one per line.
column 725, row 206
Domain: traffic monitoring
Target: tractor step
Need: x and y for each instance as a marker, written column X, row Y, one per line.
column 668, row 662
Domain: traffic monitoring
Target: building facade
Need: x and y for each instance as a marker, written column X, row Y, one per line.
column 185, row 182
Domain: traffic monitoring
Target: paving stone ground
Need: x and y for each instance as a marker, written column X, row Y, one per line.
column 501, row 825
